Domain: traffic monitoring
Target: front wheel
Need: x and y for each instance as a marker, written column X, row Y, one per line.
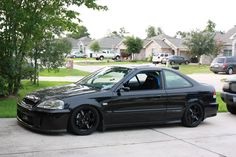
column 172, row 62
column 186, row 62
column 231, row 109
column 84, row 120
column 193, row 115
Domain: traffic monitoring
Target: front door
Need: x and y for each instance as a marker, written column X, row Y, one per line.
column 144, row 102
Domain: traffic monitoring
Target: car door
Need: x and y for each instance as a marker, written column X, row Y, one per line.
column 138, row 105
column 178, row 90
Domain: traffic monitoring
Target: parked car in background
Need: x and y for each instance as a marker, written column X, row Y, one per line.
column 77, row 55
column 119, row 96
column 158, row 57
column 106, row 54
column 229, row 95
column 223, row 64
column 173, row 59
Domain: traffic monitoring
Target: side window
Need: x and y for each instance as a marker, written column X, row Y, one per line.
column 147, row 80
column 173, row 80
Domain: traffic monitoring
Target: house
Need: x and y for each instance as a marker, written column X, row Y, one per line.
column 163, row 43
column 80, row 45
column 108, row 43
column 229, row 41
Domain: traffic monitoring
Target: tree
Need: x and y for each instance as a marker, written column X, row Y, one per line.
column 81, row 32
column 201, row 42
column 133, row 44
column 24, row 23
column 151, row 31
column 181, row 34
column 122, row 33
column 159, row 31
column 51, row 54
column 210, row 26
column 95, row 47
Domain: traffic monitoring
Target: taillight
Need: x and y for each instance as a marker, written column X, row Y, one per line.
column 214, row 94
column 225, row 66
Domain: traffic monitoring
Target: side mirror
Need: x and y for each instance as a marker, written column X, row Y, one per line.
column 123, row 89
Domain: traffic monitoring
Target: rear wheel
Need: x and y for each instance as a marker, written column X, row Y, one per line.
column 117, row 58
column 84, row 120
column 193, row 115
column 230, row 71
column 215, row 72
column 231, row 109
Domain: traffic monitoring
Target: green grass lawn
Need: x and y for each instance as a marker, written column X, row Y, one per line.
column 190, row 69
column 64, row 72
column 8, row 105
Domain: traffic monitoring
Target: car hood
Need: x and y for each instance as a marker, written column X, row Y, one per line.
column 60, row 92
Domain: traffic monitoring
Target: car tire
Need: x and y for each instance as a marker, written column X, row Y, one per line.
column 117, row 58
column 101, row 58
column 231, row 109
column 193, row 115
column 172, row 62
column 186, row 62
column 215, row 72
column 84, row 120
column 230, row 71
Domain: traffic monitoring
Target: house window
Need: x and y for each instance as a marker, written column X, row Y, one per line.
column 227, row 53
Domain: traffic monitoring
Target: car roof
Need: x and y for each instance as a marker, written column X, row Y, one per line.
column 144, row 67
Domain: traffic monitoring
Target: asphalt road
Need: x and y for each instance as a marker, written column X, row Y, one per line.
column 215, row 137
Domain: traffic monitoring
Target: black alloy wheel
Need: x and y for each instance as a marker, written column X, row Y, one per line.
column 231, row 109
column 84, row 120
column 193, row 115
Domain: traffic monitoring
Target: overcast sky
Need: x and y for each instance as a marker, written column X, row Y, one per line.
column 170, row 15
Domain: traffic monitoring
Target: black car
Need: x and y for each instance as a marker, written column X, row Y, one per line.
column 175, row 60
column 229, row 95
column 223, row 64
column 119, row 96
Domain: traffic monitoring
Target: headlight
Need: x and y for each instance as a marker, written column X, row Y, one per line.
column 226, row 85
column 52, row 104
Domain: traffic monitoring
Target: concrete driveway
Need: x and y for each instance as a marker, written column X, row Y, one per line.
column 213, row 138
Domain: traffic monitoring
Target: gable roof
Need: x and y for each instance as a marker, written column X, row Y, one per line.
column 229, row 36
column 158, row 39
column 75, row 42
column 177, row 43
column 109, row 42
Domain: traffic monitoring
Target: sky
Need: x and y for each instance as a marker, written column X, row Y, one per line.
column 171, row 15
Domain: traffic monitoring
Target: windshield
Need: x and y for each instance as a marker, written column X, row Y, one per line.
column 105, row 78
column 219, row 60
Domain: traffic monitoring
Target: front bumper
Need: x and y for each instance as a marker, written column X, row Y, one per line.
column 228, row 98
column 43, row 120
column 211, row 109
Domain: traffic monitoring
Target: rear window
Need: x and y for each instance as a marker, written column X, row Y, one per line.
column 219, row 60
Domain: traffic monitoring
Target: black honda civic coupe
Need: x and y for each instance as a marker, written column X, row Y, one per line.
column 119, row 96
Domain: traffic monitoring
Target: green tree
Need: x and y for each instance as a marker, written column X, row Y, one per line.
column 51, row 54
column 95, row 47
column 24, row 23
column 133, row 44
column 151, row 31
column 82, row 31
column 201, row 42
column 210, row 26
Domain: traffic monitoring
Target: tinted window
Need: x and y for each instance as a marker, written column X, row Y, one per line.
column 173, row 80
column 147, row 80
